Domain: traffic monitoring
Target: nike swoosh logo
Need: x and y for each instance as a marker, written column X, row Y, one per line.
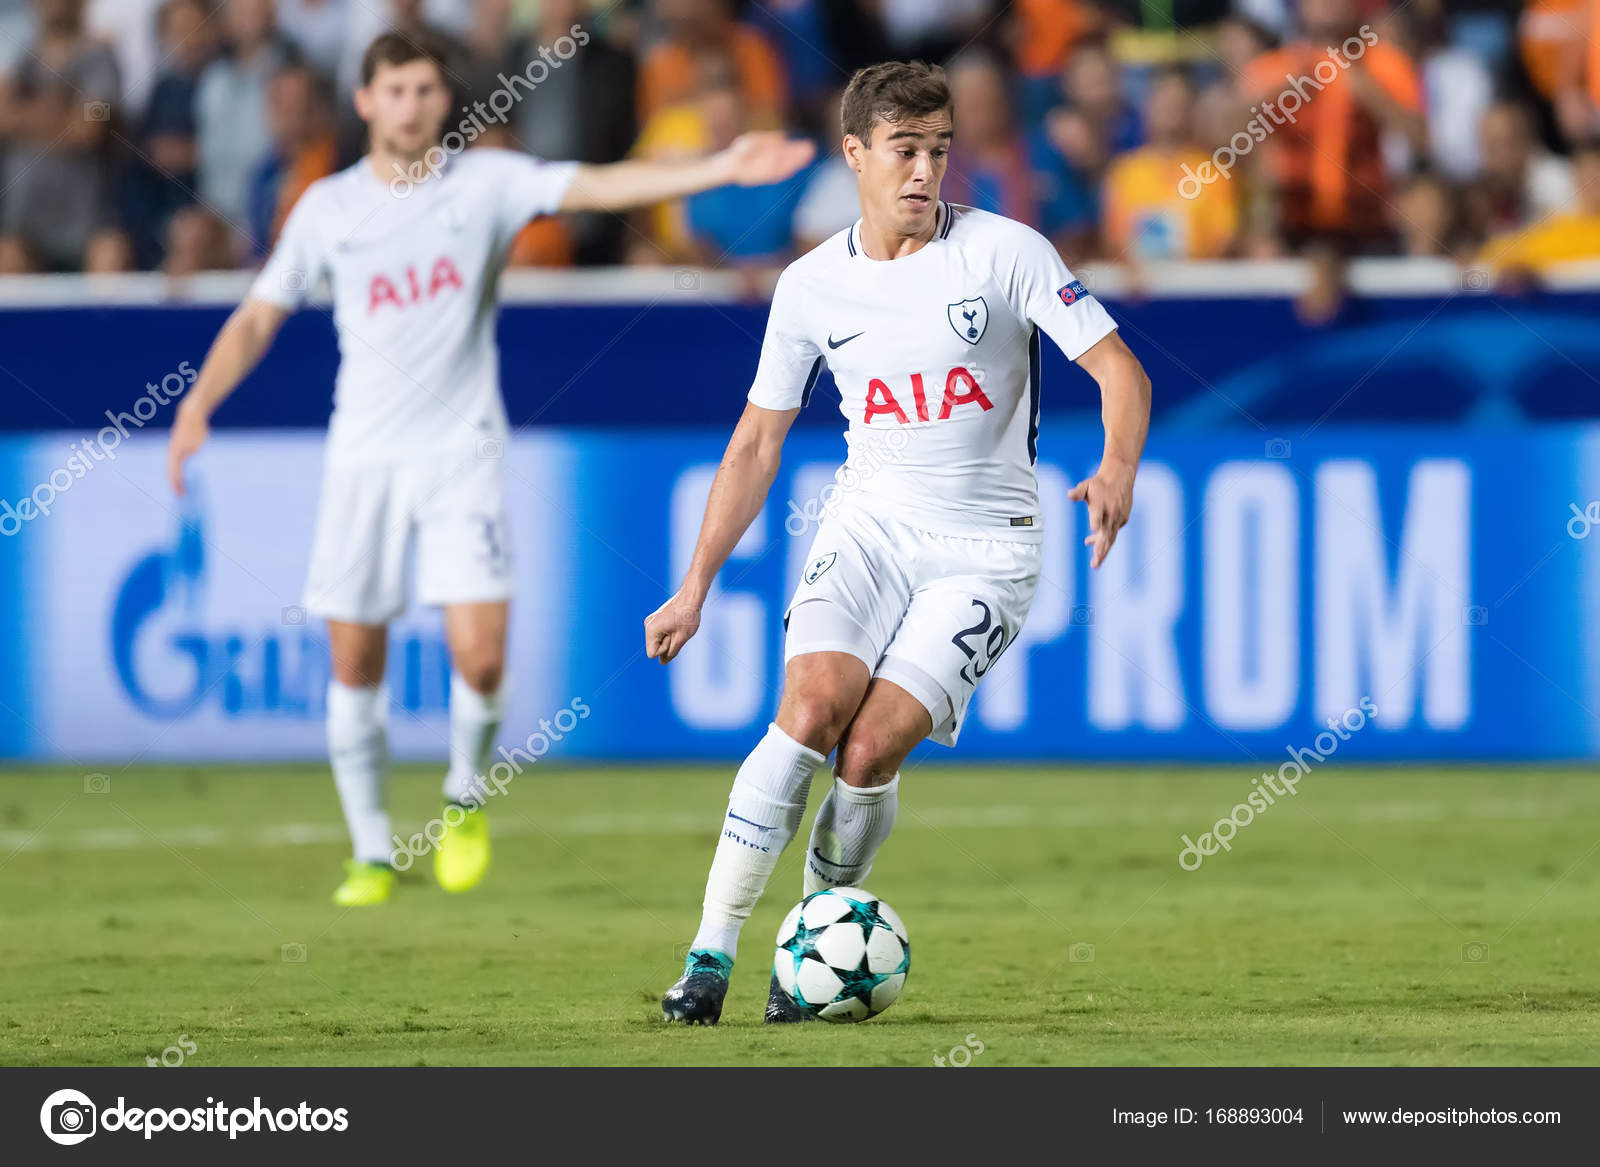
column 816, row 854
column 836, row 343
column 756, row 825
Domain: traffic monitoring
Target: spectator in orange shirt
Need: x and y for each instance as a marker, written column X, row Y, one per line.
column 1152, row 207
column 1551, row 35
column 1320, row 108
column 300, row 118
column 1044, row 33
column 1575, row 60
column 668, row 74
column 682, row 129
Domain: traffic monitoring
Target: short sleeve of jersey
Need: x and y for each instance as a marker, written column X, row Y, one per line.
column 1044, row 292
column 790, row 363
column 296, row 262
column 530, row 187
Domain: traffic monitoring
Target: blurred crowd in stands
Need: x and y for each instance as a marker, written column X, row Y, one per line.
column 176, row 134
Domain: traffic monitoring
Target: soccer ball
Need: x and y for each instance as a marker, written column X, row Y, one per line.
column 842, row 954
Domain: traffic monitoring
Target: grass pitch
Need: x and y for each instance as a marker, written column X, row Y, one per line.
column 1379, row 917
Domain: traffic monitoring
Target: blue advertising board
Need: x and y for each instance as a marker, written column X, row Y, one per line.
column 1446, row 576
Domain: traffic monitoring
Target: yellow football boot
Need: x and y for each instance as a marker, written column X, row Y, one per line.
column 462, row 857
column 364, row 884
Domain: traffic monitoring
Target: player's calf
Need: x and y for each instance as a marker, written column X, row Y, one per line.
column 860, row 810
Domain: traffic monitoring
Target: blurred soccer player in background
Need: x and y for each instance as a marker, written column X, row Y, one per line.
column 413, row 241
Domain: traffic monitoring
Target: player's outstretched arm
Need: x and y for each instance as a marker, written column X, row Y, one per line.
column 240, row 345
column 1125, row 413
column 737, row 495
column 754, row 159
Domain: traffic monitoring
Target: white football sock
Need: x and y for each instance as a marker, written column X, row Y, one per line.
column 851, row 825
column 474, row 724
column 765, row 807
column 358, row 747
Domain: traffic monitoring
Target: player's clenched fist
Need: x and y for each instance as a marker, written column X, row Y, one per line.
column 1109, row 496
column 669, row 627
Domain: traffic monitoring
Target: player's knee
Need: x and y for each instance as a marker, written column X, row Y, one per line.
column 814, row 720
column 482, row 671
column 358, row 663
column 869, row 757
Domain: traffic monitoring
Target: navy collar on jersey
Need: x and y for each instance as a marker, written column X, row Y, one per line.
column 941, row 231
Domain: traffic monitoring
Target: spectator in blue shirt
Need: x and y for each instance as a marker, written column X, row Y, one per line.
column 742, row 225
column 163, row 181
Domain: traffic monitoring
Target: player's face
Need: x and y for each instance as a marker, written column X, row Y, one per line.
column 404, row 107
column 899, row 170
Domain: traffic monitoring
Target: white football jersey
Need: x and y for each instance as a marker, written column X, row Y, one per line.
column 414, row 295
column 936, row 356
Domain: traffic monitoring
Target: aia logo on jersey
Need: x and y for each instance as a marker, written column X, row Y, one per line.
column 970, row 319
column 412, row 287
column 1072, row 291
column 960, row 388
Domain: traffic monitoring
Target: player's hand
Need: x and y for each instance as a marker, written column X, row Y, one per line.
column 669, row 627
column 1109, row 495
column 757, row 159
column 189, row 433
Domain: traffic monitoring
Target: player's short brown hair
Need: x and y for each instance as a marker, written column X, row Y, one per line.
column 398, row 48
column 892, row 92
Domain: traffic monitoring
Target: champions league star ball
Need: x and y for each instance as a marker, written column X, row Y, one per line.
column 842, row 954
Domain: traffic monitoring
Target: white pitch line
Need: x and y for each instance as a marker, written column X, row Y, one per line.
column 915, row 818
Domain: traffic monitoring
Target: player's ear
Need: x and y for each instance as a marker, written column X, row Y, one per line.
column 363, row 100
column 853, row 148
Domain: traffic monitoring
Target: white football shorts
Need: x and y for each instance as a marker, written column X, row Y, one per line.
column 372, row 518
column 929, row 612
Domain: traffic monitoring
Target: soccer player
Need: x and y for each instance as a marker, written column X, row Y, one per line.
column 413, row 241
column 929, row 317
